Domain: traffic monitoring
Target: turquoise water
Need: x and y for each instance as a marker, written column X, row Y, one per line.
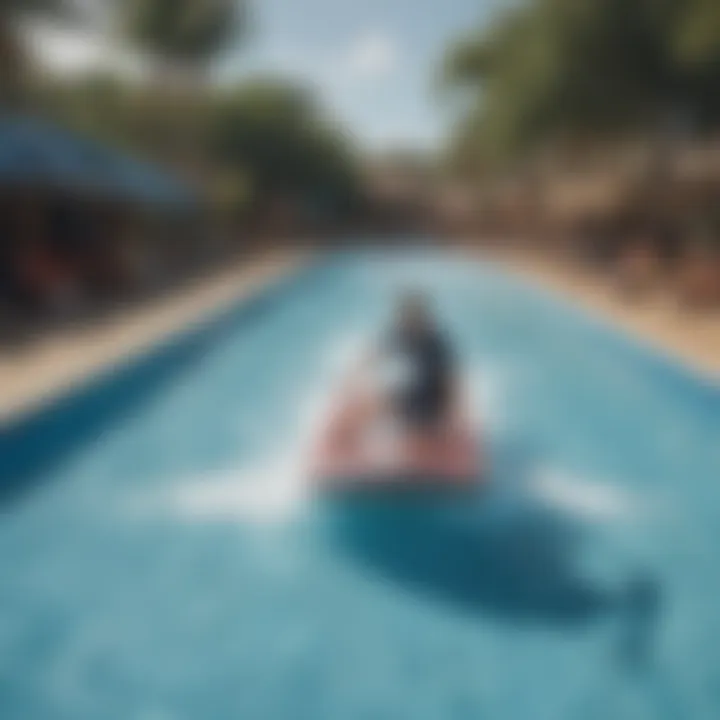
column 161, row 558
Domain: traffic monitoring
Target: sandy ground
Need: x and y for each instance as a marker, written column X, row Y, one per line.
column 691, row 338
column 51, row 365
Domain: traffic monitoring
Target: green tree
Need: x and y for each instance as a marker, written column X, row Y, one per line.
column 275, row 134
column 13, row 59
column 559, row 71
column 183, row 38
column 185, row 34
column 695, row 47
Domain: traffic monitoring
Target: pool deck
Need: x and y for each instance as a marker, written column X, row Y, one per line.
column 49, row 365
column 693, row 339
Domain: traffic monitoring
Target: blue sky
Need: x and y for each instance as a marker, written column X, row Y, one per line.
column 372, row 61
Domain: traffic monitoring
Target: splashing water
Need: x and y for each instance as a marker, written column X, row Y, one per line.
column 274, row 490
column 593, row 501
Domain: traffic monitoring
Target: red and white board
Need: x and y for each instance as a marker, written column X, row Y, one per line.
column 360, row 447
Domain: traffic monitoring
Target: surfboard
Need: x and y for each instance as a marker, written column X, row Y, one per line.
column 362, row 449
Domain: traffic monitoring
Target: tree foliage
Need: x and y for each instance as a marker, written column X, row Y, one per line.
column 264, row 139
column 13, row 60
column 277, row 133
column 187, row 33
column 549, row 71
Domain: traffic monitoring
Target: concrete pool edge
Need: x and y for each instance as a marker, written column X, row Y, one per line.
column 642, row 346
column 32, row 442
column 609, row 313
column 54, row 363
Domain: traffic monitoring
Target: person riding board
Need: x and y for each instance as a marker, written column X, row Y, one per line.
column 413, row 383
column 407, row 391
column 421, row 395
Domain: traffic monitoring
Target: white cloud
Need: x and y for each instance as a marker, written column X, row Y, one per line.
column 69, row 52
column 372, row 55
column 357, row 82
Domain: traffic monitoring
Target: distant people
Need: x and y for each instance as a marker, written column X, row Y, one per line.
column 46, row 280
column 638, row 269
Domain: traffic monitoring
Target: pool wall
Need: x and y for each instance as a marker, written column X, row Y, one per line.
column 701, row 389
column 33, row 443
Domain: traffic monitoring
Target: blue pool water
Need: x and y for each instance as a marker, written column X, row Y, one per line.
column 160, row 557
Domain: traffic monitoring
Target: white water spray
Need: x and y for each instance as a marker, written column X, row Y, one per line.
column 592, row 501
column 276, row 489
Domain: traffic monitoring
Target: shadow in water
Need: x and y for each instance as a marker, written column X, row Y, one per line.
column 500, row 552
column 641, row 613
column 518, row 567
column 32, row 446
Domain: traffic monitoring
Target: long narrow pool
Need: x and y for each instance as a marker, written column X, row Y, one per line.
column 161, row 558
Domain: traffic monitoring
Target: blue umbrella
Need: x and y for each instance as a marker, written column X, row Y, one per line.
column 36, row 153
column 143, row 181
column 32, row 153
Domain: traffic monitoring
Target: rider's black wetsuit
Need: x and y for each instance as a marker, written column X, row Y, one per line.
column 424, row 400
